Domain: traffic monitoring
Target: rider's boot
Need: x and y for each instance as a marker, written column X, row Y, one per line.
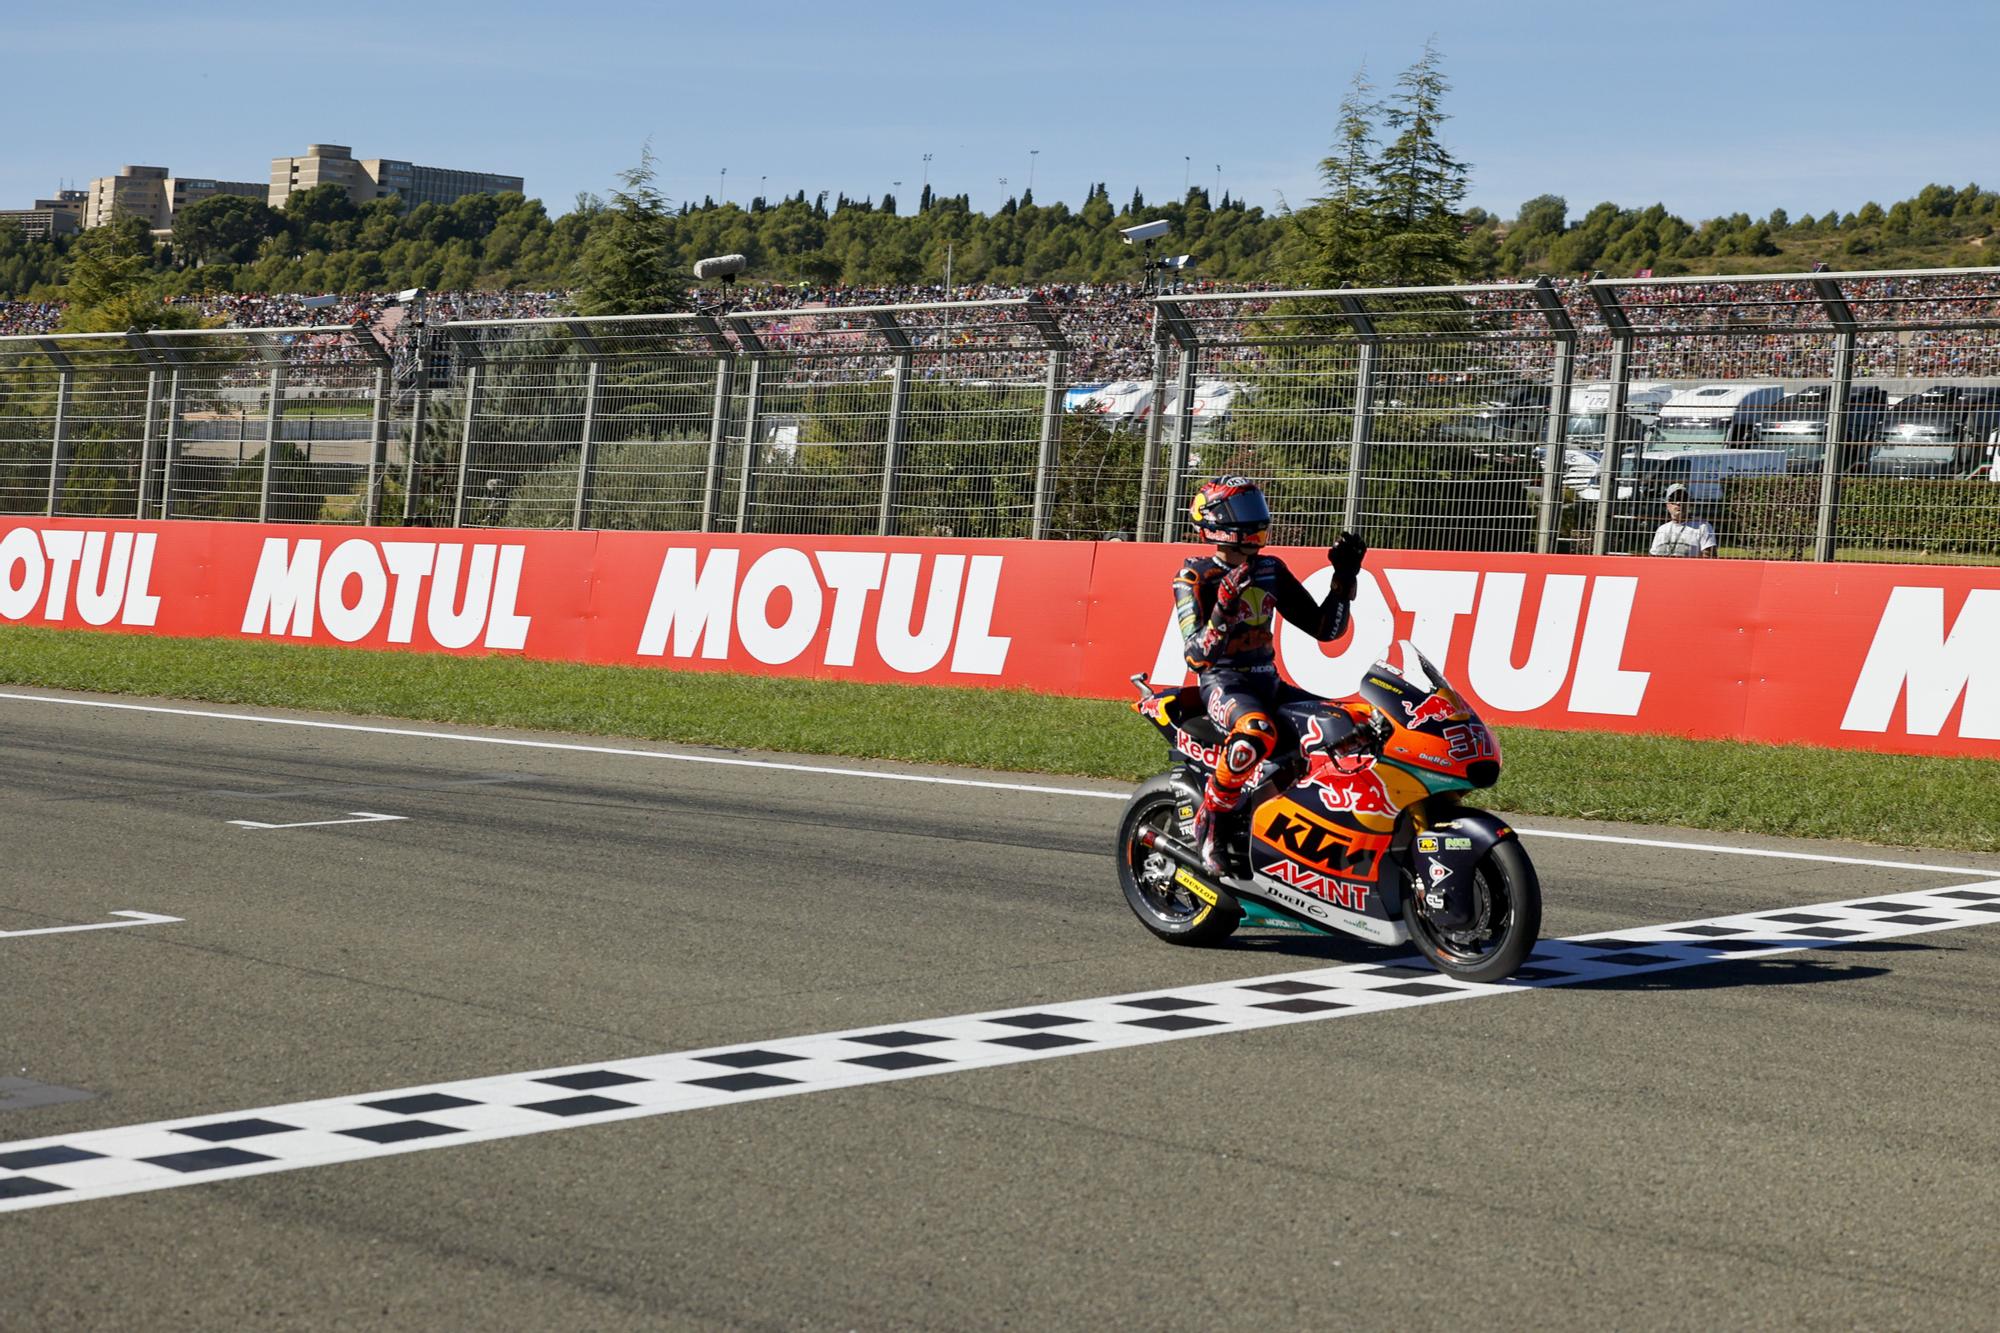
column 1217, row 828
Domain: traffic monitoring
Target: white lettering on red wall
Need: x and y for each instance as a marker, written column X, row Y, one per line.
column 464, row 600
column 924, row 609
column 105, row 575
column 1913, row 659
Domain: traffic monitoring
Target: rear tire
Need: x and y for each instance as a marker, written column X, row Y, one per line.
column 1511, row 919
column 1166, row 908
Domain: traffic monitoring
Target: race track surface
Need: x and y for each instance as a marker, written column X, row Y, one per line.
column 1792, row 1139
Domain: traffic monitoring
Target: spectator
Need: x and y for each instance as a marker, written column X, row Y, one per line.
column 1682, row 534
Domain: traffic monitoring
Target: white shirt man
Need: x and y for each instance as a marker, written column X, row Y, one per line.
column 1680, row 534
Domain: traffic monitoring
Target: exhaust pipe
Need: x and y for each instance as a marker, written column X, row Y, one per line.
column 1188, row 860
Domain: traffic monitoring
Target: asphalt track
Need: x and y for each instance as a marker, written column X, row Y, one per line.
column 1801, row 1139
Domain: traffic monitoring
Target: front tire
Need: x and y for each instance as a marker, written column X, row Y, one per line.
column 1507, row 922
column 1165, row 907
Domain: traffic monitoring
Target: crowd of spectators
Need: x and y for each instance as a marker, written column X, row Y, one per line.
column 1688, row 330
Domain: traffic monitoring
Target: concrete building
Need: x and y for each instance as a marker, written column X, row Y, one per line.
column 60, row 216
column 371, row 178
column 155, row 194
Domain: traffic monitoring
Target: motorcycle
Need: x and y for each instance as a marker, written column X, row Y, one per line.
column 1372, row 841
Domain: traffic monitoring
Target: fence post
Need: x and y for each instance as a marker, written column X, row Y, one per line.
column 1183, row 443
column 746, row 491
column 892, row 444
column 1150, row 462
column 1363, row 434
column 1837, row 425
column 1045, row 453
column 378, row 449
column 144, row 487
column 1555, row 444
column 170, row 445
column 586, row 457
column 1622, row 334
column 465, row 444
column 1614, row 446
column 274, row 413
column 58, row 464
column 1836, row 443
column 718, row 438
column 419, row 402
column 1364, row 430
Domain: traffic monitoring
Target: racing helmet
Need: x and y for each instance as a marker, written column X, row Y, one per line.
column 1230, row 511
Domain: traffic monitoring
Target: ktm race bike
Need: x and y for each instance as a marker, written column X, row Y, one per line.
column 1372, row 842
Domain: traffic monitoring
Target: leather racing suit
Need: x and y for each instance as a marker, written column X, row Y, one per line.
column 1225, row 618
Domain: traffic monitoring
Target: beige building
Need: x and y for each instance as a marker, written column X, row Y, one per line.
column 371, row 178
column 60, row 216
column 155, row 194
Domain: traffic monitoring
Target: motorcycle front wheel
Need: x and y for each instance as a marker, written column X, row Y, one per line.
column 1507, row 919
column 1164, row 905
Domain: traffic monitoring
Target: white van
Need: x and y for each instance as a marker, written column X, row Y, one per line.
column 1715, row 415
column 1589, row 404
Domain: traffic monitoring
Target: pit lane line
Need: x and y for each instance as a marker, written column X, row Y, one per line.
column 94, row 1164
column 732, row 761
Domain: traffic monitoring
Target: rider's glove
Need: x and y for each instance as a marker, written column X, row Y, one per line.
column 1229, row 593
column 1346, row 554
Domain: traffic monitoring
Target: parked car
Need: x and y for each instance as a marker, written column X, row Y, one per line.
column 1798, row 425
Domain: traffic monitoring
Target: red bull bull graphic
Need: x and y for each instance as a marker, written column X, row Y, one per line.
column 1349, row 785
column 1433, row 708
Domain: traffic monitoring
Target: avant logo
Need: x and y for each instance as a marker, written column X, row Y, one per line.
column 1353, row 897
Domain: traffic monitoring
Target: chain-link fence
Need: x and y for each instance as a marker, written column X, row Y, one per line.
column 279, row 425
column 1802, row 416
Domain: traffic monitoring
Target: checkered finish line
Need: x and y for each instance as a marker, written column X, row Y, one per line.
column 70, row 1168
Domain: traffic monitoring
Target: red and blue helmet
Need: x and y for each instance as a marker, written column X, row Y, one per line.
column 1230, row 511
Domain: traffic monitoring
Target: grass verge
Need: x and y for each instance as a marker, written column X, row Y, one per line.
column 1895, row 799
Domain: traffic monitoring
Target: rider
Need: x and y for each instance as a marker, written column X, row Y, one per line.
column 1224, row 605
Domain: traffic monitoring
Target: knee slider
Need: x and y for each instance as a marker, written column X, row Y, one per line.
column 1242, row 755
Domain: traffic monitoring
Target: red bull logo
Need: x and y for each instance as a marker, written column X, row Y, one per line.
column 1357, row 790
column 1434, row 708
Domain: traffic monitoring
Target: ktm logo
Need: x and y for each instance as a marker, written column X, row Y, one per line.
column 1318, row 845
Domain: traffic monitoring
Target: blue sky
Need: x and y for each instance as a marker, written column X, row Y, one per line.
column 1706, row 107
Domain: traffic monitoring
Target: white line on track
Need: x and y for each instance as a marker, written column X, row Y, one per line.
column 91, row 1164
column 136, row 919
column 570, row 747
column 732, row 761
column 359, row 817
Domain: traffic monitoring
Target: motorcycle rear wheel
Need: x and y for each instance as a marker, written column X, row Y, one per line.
column 1164, row 907
column 1510, row 919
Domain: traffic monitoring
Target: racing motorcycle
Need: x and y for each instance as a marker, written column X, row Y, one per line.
column 1367, row 836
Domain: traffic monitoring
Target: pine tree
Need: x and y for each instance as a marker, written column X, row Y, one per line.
column 1420, row 185
column 1341, row 229
column 627, row 264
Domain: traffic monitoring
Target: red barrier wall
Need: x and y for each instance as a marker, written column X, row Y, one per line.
column 1887, row 657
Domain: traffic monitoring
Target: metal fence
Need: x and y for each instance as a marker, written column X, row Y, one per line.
column 1811, row 416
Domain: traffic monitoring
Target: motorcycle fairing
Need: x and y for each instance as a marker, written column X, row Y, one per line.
column 1442, row 848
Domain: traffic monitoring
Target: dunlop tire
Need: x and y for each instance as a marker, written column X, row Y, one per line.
column 1153, row 795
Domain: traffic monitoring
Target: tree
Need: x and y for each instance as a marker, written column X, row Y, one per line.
column 1341, row 229
column 224, row 228
column 1420, row 184
column 627, row 267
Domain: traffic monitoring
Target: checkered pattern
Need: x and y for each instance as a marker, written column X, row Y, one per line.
column 94, row 1164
